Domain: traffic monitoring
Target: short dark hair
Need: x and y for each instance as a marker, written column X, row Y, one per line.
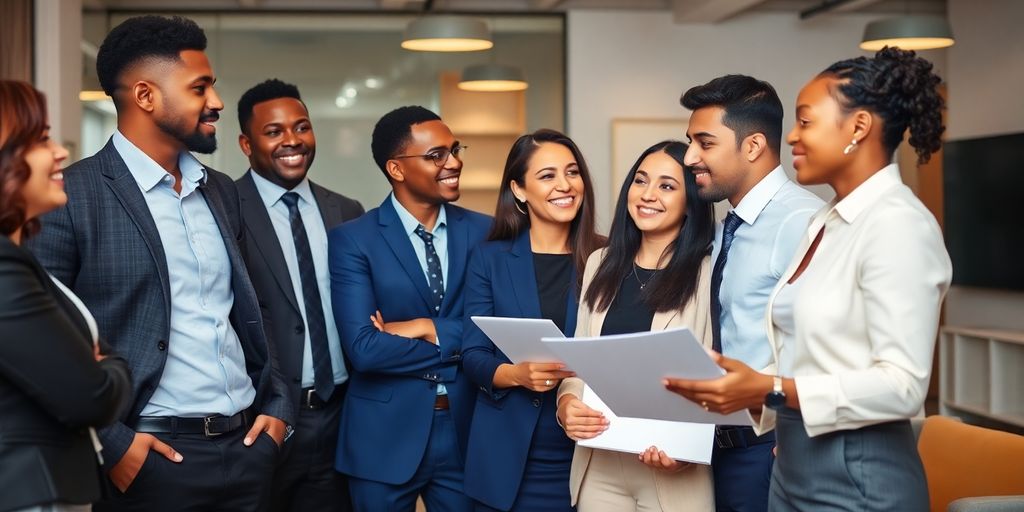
column 145, row 37
column 899, row 87
column 392, row 132
column 751, row 106
column 266, row 90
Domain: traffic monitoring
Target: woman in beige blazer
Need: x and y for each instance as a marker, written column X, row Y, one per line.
column 654, row 275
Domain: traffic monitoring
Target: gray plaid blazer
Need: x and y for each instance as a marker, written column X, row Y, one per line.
column 104, row 245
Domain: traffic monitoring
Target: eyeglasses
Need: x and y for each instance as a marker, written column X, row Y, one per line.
column 440, row 156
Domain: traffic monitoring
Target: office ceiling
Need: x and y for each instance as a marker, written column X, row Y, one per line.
column 682, row 10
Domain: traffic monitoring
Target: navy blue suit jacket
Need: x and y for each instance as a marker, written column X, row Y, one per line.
column 387, row 416
column 501, row 282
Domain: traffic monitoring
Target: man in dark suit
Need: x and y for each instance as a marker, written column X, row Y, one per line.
column 396, row 280
column 149, row 239
column 287, row 217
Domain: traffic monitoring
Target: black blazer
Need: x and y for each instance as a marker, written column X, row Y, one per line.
column 51, row 390
column 281, row 316
column 105, row 246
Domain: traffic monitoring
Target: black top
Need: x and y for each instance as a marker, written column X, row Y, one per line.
column 554, row 272
column 629, row 314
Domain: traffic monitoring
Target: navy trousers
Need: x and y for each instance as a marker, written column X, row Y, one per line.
column 742, row 477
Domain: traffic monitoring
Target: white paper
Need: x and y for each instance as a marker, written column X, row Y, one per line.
column 519, row 338
column 626, row 372
column 689, row 442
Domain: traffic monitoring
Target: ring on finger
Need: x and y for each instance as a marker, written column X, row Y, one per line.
column 547, row 382
column 704, row 404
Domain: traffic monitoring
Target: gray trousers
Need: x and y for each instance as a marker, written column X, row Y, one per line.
column 874, row 468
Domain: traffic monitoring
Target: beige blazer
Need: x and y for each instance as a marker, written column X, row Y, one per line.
column 690, row 489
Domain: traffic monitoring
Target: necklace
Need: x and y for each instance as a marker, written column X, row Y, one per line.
column 637, row 276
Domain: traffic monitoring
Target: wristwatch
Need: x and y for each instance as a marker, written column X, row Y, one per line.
column 776, row 399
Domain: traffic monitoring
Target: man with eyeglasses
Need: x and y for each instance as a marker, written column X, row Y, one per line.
column 396, row 287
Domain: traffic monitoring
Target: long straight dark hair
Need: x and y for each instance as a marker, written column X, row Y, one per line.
column 509, row 223
column 675, row 285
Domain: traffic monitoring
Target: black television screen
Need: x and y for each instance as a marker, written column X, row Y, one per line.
column 983, row 187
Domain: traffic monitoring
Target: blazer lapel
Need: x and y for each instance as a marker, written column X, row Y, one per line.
column 396, row 237
column 265, row 236
column 127, row 191
column 522, row 276
column 330, row 207
column 458, row 254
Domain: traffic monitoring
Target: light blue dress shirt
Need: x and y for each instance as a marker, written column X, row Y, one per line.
column 775, row 214
column 205, row 369
column 440, row 232
column 271, row 194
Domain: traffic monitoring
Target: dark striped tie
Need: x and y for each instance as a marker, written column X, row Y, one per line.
column 732, row 221
column 316, row 326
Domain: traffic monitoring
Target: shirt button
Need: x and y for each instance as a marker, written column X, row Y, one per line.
column 536, row 402
column 161, row 345
column 298, row 329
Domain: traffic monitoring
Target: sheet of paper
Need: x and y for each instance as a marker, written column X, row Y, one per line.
column 626, row 372
column 519, row 338
column 689, row 442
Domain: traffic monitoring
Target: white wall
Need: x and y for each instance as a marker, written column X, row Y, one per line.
column 986, row 70
column 625, row 64
column 58, row 68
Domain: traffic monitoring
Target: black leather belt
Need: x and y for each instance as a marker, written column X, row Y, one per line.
column 740, row 437
column 441, row 403
column 209, row 426
column 308, row 399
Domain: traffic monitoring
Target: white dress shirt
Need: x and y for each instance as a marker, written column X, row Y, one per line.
column 775, row 214
column 866, row 311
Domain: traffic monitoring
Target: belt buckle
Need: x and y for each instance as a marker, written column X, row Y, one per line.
column 206, row 427
column 722, row 439
column 309, row 398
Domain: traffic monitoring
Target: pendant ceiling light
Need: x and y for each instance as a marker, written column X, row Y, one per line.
column 492, row 78
column 447, row 34
column 917, row 32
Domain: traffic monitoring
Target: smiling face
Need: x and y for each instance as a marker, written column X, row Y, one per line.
column 820, row 134
column 552, row 185
column 419, row 175
column 188, row 105
column 280, row 143
column 714, row 156
column 44, row 189
column 657, row 197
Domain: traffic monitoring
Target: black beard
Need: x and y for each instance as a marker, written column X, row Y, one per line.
column 193, row 141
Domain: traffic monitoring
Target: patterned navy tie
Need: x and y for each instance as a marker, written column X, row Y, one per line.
column 434, row 277
column 732, row 221
column 323, row 372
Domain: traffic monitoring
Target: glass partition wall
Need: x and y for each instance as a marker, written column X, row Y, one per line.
column 351, row 69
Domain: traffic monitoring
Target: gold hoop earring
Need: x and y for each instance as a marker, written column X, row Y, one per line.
column 850, row 147
column 516, row 202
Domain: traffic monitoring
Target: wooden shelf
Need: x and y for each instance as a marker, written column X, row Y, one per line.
column 980, row 373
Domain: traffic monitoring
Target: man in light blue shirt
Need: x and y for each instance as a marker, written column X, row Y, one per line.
column 286, row 218
column 149, row 241
column 736, row 136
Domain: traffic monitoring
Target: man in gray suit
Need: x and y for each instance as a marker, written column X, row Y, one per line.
column 149, row 239
column 287, row 218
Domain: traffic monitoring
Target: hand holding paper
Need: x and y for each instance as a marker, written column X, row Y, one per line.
column 741, row 388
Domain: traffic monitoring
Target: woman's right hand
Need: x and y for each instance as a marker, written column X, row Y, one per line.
column 580, row 421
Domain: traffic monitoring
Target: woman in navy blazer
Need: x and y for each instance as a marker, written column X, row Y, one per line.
column 518, row 457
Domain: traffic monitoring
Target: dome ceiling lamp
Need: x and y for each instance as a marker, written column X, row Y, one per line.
column 444, row 33
column 492, row 77
column 911, row 32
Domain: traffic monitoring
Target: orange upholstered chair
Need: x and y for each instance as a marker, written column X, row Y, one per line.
column 966, row 461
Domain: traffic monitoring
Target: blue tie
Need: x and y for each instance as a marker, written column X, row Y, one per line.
column 323, row 373
column 434, row 277
column 732, row 221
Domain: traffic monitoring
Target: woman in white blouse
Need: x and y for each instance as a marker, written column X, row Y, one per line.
column 853, row 321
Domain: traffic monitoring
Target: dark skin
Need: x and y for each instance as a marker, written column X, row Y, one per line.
column 279, row 141
column 422, row 188
column 819, row 137
column 148, row 92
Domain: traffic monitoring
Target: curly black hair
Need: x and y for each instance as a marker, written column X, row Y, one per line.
column 144, row 37
column 392, row 132
column 899, row 87
column 750, row 105
column 266, row 90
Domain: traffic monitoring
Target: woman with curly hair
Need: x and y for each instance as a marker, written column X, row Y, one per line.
column 854, row 318
column 54, row 382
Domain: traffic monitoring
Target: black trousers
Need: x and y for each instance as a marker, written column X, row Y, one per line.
column 305, row 479
column 216, row 474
